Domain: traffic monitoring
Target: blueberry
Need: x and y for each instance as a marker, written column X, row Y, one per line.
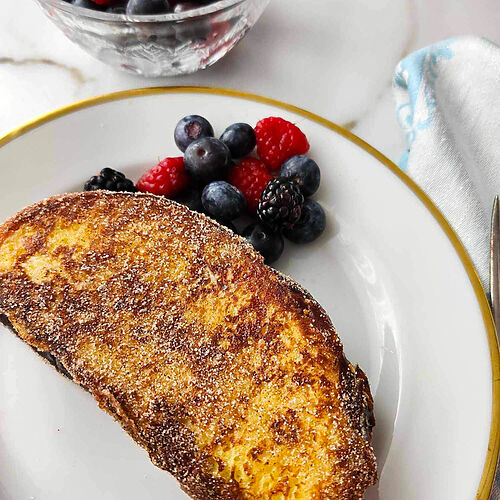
column 223, row 201
column 268, row 243
column 305, row 170
column 239, row 138
column 86, row 4
column 147, row 7
column 191, row 198
column 191, row 128
column 207, row 159
column 311, row 224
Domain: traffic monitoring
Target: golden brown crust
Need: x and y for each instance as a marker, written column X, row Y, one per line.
column 228, row 373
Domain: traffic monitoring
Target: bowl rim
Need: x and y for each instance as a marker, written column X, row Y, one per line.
column 217, row 6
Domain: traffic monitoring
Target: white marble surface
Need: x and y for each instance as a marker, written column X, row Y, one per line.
column 333, row 57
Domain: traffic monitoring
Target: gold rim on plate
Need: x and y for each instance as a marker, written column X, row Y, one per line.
column 488, row 474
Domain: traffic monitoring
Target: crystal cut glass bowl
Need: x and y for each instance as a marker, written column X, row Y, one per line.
column 159, row 45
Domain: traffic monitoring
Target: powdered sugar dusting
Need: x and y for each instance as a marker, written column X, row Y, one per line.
column 229, row 374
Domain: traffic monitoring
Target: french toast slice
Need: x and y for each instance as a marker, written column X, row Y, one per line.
column 228, row 373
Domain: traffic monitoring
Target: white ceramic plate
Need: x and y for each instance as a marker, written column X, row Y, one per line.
column 389, row 270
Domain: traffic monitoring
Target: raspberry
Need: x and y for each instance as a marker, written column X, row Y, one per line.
column 103, row 2
column 250, row 177
column 278, row 140
column 168, row 178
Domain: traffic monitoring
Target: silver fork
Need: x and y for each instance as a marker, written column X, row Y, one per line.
column 494, row 262
column 495, row 302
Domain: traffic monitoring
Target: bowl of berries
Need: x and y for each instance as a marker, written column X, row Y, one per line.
column 155, row 37
column 256, row 181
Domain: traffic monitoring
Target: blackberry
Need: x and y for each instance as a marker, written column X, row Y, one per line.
column 280, row 203
column 111, row 180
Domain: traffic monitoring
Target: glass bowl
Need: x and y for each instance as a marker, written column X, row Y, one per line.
column 159, row 45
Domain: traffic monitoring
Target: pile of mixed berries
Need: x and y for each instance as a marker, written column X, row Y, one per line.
column 140, row 7
column 226, row 180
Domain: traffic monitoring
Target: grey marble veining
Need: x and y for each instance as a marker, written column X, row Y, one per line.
column 332, row 57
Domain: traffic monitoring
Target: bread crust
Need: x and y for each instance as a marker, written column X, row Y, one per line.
column 227, row 372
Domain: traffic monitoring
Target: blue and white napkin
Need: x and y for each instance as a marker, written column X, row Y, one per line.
column 448, row 103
